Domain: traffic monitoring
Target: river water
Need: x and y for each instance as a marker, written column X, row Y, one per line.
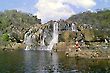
column 45, row 62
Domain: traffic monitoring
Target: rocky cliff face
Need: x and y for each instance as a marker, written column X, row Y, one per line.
column 75, row 28
column 16, row 23
column 99, row 20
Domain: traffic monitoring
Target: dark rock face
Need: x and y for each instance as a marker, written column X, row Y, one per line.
column 84, row 32
column 98, row 20
column 67, row 36
column 48, row 37
column 78, row 27
column 88, row 34
column 64, row 29
column 16, row 23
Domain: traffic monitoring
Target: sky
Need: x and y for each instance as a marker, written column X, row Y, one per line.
column 53, row 9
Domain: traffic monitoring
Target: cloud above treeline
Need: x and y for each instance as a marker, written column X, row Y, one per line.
column 60, row 9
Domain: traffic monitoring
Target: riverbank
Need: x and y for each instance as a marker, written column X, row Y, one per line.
column 87, row 54
column 12, row 46
column 90, row 54
column 91, row 51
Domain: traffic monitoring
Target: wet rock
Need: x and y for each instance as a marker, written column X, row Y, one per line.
column 7, row 49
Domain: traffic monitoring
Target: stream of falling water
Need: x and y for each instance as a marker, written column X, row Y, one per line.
column 54, row 37
column 29, row 39
column 43, row 38
column 74, row 27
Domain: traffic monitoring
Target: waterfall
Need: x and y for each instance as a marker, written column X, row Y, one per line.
column 54, row 37
column 29, row 39
column 43, row 38
column 73, row 27
column 31, row 35
column 106, row 41
column 42, row 42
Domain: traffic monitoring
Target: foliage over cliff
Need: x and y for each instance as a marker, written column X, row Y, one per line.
column 15, row 23
column 13, row 19
column 100, row 21
column 100, row 18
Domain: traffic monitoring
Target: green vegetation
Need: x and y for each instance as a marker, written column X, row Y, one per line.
column 14, row 24
column 92, row 26
column 12, row 19
column 67, row 36
column 5, row 37
column 101, row 18
column 99, row 21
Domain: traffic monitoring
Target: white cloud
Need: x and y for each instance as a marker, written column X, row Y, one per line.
column 59, row 9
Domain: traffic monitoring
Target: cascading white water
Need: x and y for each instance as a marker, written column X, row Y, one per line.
column 42, row 42
column 29, row 39
column 73, row 27
column 54, row 37
column 106, row 41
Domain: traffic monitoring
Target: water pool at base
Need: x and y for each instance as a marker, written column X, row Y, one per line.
column 45, row 62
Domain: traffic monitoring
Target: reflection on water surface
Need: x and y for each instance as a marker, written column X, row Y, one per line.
column 45, row 62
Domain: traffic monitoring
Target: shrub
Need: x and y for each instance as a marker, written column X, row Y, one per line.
column 5, row 37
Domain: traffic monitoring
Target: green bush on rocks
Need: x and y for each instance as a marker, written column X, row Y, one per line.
column 5, row 37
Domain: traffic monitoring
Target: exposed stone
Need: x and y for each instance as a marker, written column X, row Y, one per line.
column 88, row 34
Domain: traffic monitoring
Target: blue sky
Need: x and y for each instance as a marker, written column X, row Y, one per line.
column 50, row 9
column 23, row 5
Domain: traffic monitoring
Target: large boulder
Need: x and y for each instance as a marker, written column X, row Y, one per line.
column 88, row 34
column 67, row 36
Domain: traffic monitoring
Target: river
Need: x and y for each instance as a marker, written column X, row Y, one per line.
column 44, row 62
